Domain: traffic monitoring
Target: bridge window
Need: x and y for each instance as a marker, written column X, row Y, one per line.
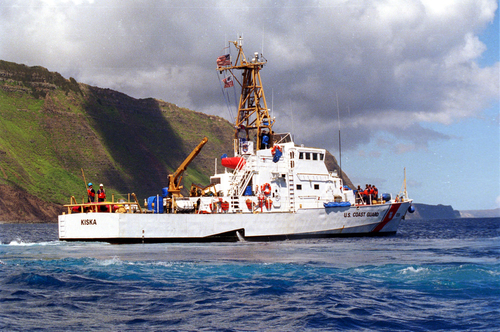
column 308, row 156
column 321, row 156
column 315, row 156
column 301, row 155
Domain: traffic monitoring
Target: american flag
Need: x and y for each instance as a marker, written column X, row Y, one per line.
column 228, row 82
column 224, row 60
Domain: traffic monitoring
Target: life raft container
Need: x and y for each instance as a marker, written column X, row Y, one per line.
column 233, row 162
column 266, row 189
column 224, row 206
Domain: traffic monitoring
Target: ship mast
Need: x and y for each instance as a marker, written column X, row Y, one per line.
column 252, row 122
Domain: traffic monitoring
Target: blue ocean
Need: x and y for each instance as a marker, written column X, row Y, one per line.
column 432, row 275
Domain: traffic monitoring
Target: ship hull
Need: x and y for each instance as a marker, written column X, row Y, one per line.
column 367, row 220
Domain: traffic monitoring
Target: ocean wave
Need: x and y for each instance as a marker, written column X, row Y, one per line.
column 411, row 269
column 19, row 242
column 113, row 261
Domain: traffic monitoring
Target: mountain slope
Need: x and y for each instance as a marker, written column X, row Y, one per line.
column 55, row 132
column 52, row 128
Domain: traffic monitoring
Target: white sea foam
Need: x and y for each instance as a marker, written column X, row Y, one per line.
column 113, row 261
column 20, row 242
column 411, row 269
column 163, row 264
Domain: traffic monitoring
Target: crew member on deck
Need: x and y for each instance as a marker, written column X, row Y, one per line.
column 264, row 143
column 91, row 193
column 101, row 195
column 366, row 195
column 358, row 192
column 375, row 193
column 371, row 192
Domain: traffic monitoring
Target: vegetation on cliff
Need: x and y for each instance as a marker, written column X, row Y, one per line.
column 52, row 128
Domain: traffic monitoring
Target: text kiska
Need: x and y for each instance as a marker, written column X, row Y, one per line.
column 88, row 222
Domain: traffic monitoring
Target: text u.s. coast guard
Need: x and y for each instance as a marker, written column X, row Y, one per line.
column 360, row 214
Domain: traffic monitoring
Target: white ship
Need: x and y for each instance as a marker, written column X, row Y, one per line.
column 272, row 189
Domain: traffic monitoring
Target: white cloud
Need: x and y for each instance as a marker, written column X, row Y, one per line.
column 393, row 64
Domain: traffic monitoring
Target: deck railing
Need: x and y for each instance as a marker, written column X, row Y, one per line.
column 120, row 206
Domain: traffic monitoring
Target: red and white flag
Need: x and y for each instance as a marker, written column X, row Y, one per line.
column 224, row 60
column 228, row 82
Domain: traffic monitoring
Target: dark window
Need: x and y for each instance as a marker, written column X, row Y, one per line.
column 316, row 187
column 320, row 156
column 299, row 187
column 315, row 156
column 308, row 156
column 301, row 155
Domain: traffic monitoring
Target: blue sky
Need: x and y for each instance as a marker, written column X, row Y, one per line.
column 462, row 171
column 417, row 80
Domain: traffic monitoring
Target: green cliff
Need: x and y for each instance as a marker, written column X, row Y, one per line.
column 52, row 128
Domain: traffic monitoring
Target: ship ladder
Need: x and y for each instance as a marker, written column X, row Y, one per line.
column 238, row 174
column 245, row 179
column 240, row 181
column 291, row 191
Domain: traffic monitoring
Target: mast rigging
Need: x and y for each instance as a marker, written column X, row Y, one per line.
column 252, row 122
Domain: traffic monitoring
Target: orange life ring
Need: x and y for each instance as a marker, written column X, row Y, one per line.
column 273, row 151
column 266, row 189
column 225, row 206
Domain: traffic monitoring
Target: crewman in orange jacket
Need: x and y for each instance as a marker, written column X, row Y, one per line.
column 101, row 195
column 371, row 193
column 91, row 193
column 366, row 194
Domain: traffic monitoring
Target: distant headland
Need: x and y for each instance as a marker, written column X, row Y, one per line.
column 426, row 211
